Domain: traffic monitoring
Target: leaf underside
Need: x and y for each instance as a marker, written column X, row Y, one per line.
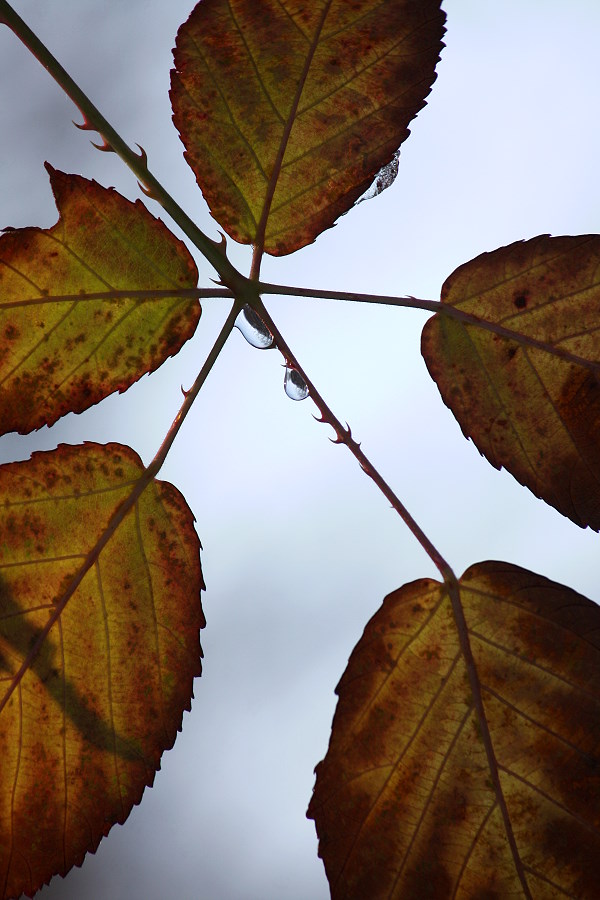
column 289, row 110
column 525, row 407
column 404, row 803
column 64, row 355
column 82, row 732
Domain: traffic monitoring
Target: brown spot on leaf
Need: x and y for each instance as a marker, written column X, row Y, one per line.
column 11, row 332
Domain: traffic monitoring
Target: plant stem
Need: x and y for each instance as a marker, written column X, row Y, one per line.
column 435, row 306
column 291, row 291
column 451, row 583
column 344, row 436
column 127, row 505
column 94, row 120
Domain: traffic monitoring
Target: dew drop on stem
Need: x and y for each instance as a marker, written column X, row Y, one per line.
column 254, row 329
column 294, row 384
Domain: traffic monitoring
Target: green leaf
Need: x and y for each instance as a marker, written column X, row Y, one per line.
column 404, row 801
column 288, row 111
column 60, row 350
column 96, row 665
column 532, row 403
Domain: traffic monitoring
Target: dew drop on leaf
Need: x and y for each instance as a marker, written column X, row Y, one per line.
column 294, row 384
column 254, row 329
column 383, row 180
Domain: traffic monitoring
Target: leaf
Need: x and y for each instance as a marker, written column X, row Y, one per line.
column 83, row 730
column 530, row 404
column 404, row 802
column 61, row 352
column 288, row 111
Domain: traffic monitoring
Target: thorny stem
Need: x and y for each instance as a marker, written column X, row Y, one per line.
column 141, row 484
column 451, row 583
column 434, row 306
column 344, row 436
column 93, row 120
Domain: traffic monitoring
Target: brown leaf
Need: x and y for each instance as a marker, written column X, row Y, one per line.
column 288, row 111
column 60, row 350
column 404, row 802
column 530, row 404
column 85, row 719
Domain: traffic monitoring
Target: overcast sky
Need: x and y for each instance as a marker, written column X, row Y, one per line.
column 299, row 547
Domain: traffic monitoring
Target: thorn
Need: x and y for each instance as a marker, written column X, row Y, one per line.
column 221, row 244
column 218, row 282
column 147, row 191
column 319, row 419
column 85, row 126
column 184, row 392
column 142, row 155
column 104, row 146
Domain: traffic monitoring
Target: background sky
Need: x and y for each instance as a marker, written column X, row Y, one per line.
column 299, row 547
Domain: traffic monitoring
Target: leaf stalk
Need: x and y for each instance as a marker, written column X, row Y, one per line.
column 434, row 306
column 127, row 504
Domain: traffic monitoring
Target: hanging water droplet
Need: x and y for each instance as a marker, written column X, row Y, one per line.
column 254, row 329
column 294, row 384
column 382, row 181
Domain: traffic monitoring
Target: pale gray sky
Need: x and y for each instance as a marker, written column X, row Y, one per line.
column 299, row 547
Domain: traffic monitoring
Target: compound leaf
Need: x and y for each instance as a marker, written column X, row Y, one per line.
column 90, row 700
column 404, row 801
column 288, row 111
column 530, row 403
column 60, row 350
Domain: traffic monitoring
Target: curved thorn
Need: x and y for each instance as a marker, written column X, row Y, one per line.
column 183, row 391
column 104, row 147
column 147, row 191
column 85, row 125
column 221, row 244
column 142, row 155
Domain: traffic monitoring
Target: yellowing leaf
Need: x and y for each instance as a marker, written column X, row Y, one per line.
column 289, row 110
column 87, row 709
column 530, row 405
column 404, row 801
column 61, row 352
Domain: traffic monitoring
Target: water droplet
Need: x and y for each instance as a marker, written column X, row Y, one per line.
column 254, row 329
column 294, row 384
column 383, row 180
